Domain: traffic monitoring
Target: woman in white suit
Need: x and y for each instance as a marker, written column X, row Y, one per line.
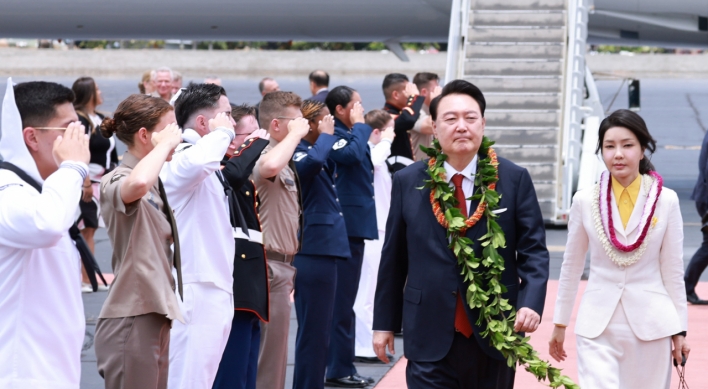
column 634, row 305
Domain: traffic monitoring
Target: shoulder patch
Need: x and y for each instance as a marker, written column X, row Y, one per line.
column 117, row 177
column 299, row 156
column 9, row 185
column 340, row 143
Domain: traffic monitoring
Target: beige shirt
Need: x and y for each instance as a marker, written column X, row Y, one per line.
column 418, row 138
column 280, row 210
column 142, row 258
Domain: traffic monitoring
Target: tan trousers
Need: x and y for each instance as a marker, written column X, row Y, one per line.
column 133, row 352
column 273, row 357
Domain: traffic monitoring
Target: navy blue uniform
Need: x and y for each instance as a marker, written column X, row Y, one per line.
column 324, row 243
column 239, row 363
column 355, row 188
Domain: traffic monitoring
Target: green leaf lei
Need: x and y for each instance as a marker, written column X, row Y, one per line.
column 483, row 275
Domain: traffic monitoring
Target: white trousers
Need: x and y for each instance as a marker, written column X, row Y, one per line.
column 617, row 359
column 364, row 303
column 196, row 347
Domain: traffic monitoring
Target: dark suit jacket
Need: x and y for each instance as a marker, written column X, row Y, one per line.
column 355, row 179
column 250, row 268
column 700, row 191
column 321, row 96
column 419, row 277
column 325, row 232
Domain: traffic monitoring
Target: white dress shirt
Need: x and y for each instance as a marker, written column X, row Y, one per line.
column 382, row 182
column 201, row 208
column 467, row 182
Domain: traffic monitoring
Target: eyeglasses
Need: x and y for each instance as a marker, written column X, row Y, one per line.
column 51, row 128
column 286, row 118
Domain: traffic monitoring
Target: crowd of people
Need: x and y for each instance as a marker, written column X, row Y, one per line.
column 215, row 207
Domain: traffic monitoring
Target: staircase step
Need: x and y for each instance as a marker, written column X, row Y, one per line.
column 516, row 84
column 521, row 155
column 484, row 34
column 495, row 67
column 545, row 190
column 518, row 118
column 517, row 19
column 514, row 51
column 518, row 5
column 523, row 137
column 547, row 207
column 523, row 101
column 542, row 172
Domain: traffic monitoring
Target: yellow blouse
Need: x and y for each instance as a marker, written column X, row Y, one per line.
column 626, row 197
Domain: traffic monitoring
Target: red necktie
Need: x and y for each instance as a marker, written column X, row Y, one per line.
column 462, row 322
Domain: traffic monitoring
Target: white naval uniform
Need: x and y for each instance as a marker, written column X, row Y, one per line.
column 364, row 303
column 207, row 248
column 42, row 320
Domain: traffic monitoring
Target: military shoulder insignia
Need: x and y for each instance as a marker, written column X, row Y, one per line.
column 299, row 156
column 340, row 143
column 117, row 177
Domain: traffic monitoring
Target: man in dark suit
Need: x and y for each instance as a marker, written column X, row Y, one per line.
column 355, row 188
column 419, row 280
column 319, row 84
column 699, row 261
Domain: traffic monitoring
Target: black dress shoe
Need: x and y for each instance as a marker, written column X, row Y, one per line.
column 695, row 300
column 368, row 380
column 372, row 360
column 345, row 382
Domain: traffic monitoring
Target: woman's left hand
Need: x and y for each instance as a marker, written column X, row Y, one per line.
column 680, row 347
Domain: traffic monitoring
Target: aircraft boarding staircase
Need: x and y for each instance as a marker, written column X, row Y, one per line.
column 527, row 56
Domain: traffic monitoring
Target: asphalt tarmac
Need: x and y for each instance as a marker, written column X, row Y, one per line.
column 676, row 112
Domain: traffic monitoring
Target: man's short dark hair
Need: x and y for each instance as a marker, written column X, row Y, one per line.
column 37, row 101
column 458, row 87
column 422, row 79
column 391, row 82
column 238, row 112
column 320, row 78
column 340, row 95
column 195, row 98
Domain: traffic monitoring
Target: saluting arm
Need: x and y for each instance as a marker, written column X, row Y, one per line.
column 240, row 166
column 272, row 162
column 310, row 163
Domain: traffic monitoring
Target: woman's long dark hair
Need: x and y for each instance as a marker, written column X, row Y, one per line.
column 633, row 122
column 85, row 90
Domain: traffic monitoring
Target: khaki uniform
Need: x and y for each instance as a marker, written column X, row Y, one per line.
column 280, row 215
column 418, row 138
column 141, row 303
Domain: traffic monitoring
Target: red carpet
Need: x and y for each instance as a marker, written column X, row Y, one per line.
column 697, row 338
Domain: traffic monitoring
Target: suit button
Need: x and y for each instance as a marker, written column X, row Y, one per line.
column 333, row 186
column 454, row 293
column 341, row 214
column 337, row 200
column 248, row 193
column 243, row 256
column 620, row 285
column 373, row 197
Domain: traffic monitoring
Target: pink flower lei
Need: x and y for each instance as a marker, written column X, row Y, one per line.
column 647, row 212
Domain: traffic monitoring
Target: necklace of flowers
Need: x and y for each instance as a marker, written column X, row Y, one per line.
column 483, row 274
column 621, row 254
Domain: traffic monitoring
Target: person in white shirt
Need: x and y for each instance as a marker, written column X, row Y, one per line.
column 380, row 142
column 193, row 184
column 42, row 316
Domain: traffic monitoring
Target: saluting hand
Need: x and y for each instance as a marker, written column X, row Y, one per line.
column 72, row 145
column 436, row 92
column 388, row 133
column 222, row 119
column 170, row 136
column 299, row 127
column 411, row 90
column 356, row 115
column 326, row 125
column 259, row 133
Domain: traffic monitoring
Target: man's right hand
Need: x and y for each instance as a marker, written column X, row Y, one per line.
column 411, row 90
column 170, row 136
column 357, row 113
column 381, row 340
column 72, row 145
column 222, row 119
column 436, row 92
column 299, row 127
column 326, row 125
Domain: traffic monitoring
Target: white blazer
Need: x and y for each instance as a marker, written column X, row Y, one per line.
column 651, row 290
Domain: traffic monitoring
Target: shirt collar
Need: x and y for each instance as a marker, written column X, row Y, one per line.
column 469, row 171
column 129, row 160
column 632, row 189
column 190, row 136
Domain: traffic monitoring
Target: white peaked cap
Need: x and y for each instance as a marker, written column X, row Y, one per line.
column 12, row 143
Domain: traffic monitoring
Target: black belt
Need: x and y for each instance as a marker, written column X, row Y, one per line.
column 280, row 257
